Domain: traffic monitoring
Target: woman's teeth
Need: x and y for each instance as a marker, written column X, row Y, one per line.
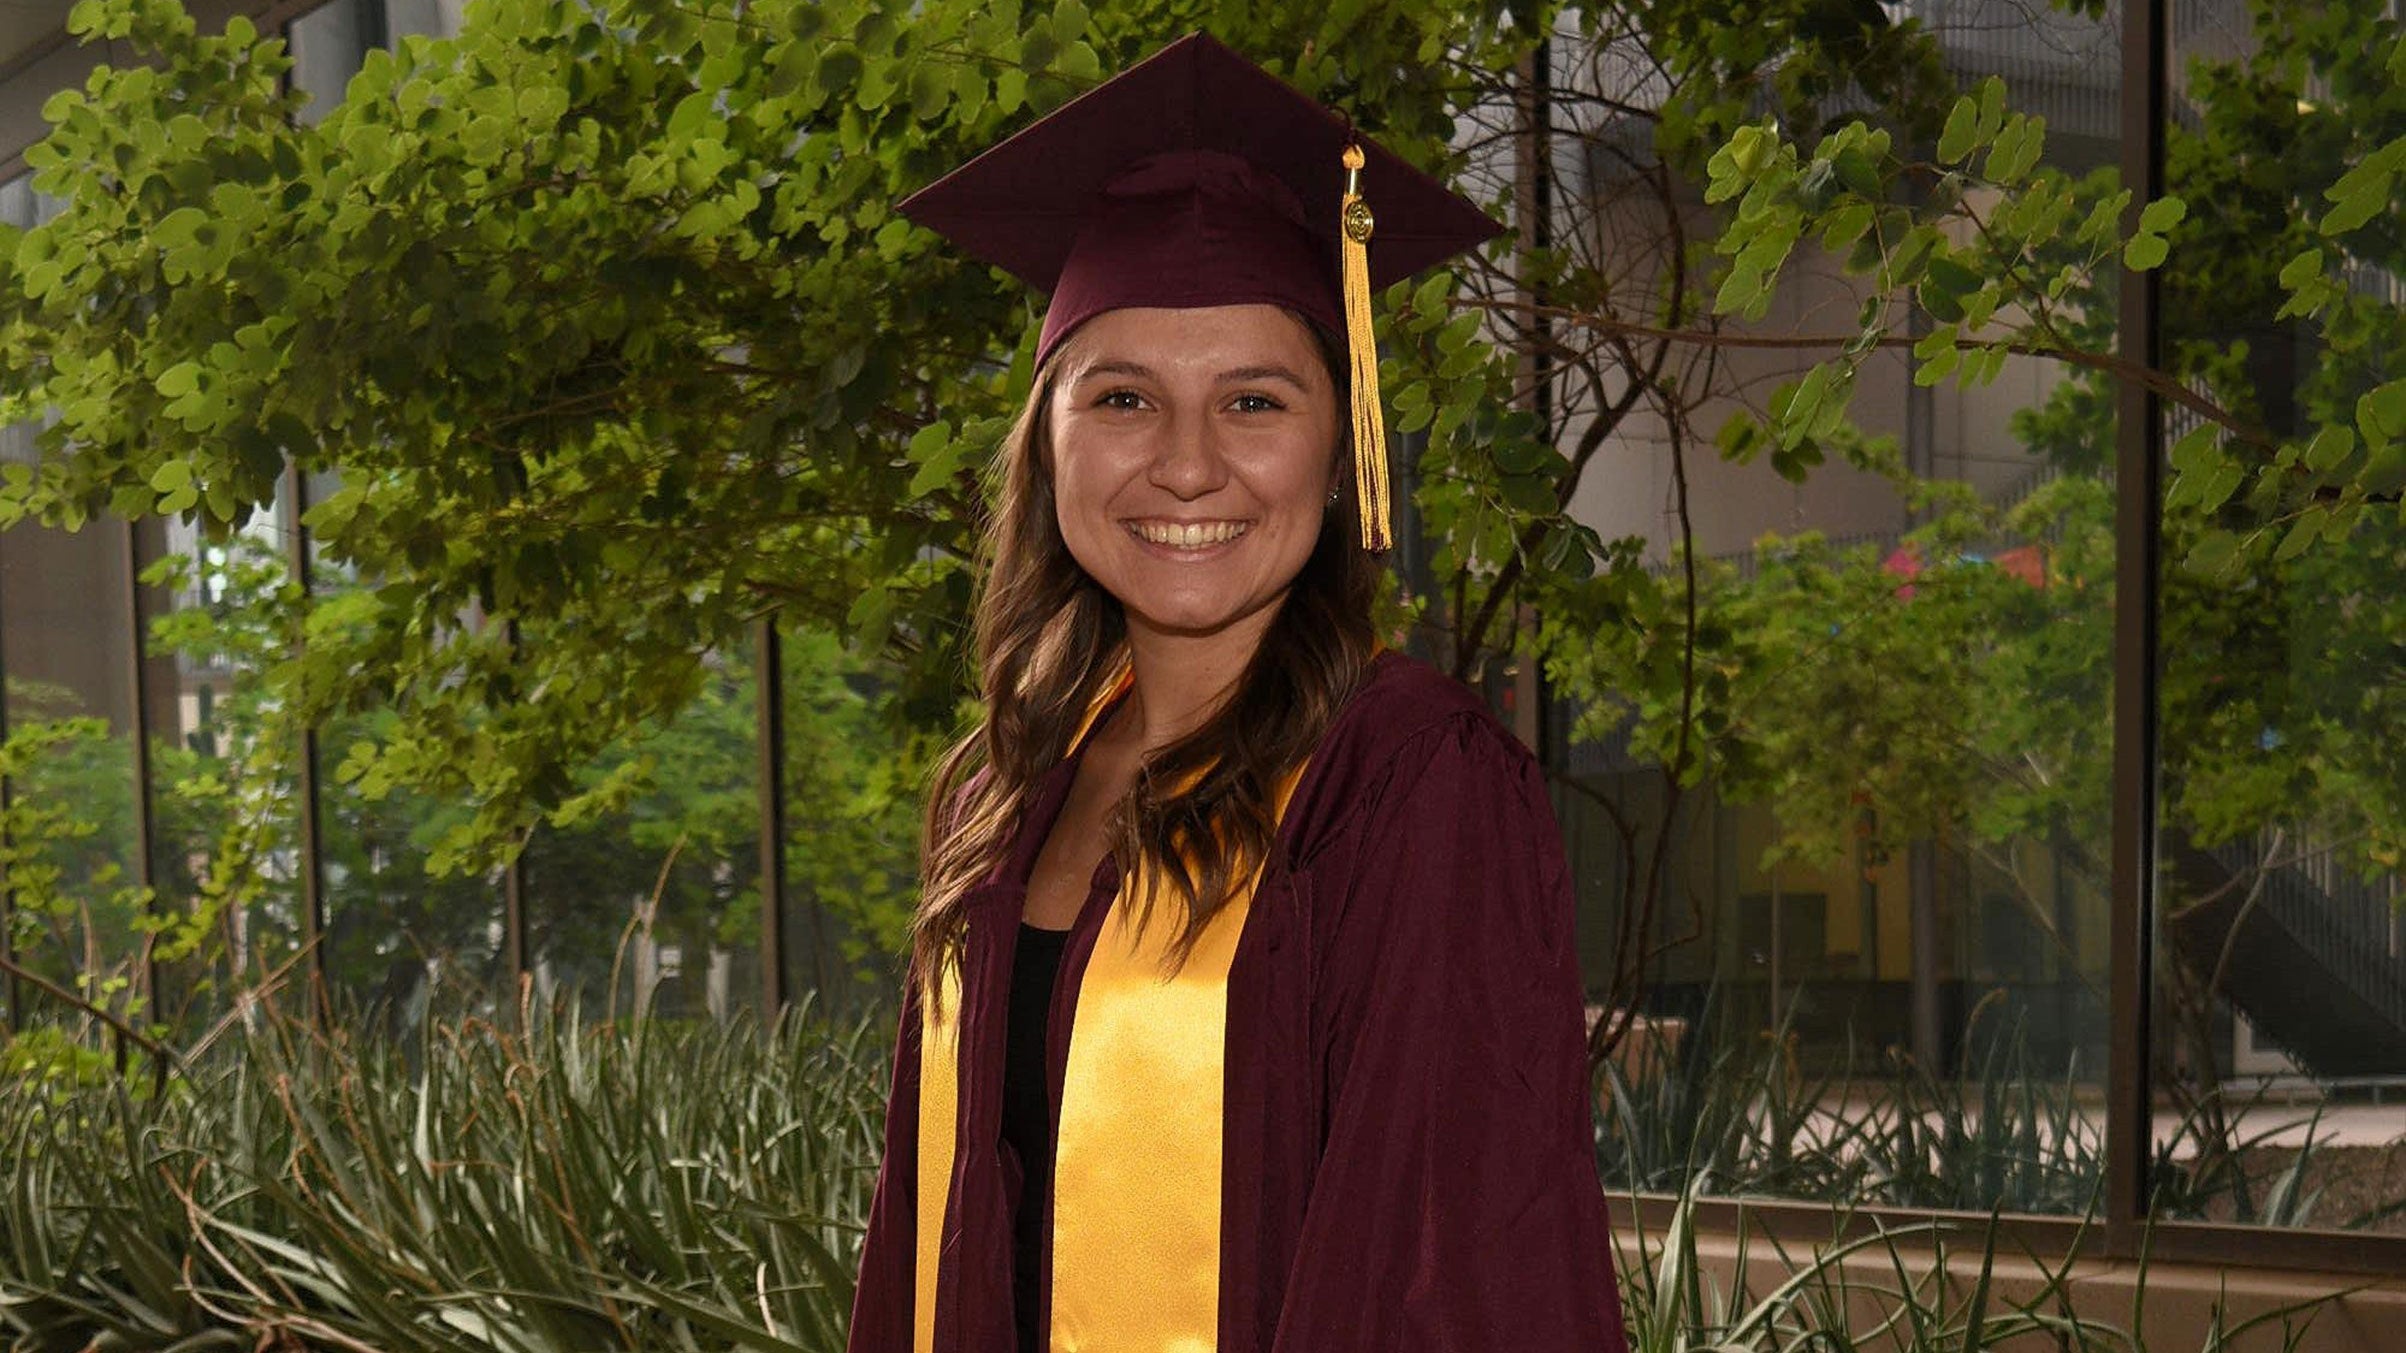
column 1191, row 535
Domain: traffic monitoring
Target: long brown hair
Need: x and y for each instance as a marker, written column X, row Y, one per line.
column 1200, row 814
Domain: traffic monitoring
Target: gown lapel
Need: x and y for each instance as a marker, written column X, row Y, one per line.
column 1136, row 1204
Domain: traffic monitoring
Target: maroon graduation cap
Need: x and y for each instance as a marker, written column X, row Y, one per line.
column 1195, row 178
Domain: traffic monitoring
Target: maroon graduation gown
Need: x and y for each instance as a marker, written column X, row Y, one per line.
column 1409, row 1160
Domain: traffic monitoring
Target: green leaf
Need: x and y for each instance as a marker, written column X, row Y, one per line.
column 2360, row 194
column 1992, row 106
column 1037, row 48
column 840, row 70
column 181, row 379
column 1961, row 135
column 543, row 105
column 930, row 442
column 1802, row 408
column 1069, row 20
column 1846, row 225
column 1796, row 463
column 1950, row 278
column 2301, row 537
column 2304, row 268
column 870, row 611
column 1459, row 332
column 2195, row 451
column 2017, row 148
column 2330, row 449
column 2213, row 555
column 1740, row 437
column 2161, row 215
column 1530, row 495
column 2384, row 470
column 692, row 113
column 1428, row 299
column 1860, row 174
column 2381, row 413
column 1739, row 290
column 2145, row 252
column 1939, row 363
column 2219, row 485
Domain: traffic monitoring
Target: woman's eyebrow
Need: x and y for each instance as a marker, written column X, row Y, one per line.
column 1128, row 370
column 1271, row 372
column 1115, row 367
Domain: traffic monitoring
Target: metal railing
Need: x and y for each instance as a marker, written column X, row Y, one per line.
column 2349, row 925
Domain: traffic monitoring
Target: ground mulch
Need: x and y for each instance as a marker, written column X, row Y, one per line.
column 2354, row 1182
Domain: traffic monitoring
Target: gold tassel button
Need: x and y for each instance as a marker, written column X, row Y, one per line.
column 1361, row 344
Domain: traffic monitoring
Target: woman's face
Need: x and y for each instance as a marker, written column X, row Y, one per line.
column 1192, row 456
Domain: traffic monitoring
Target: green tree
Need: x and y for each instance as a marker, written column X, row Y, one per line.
column 605, row 318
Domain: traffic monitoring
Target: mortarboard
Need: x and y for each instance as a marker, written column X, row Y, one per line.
column 1195, row 178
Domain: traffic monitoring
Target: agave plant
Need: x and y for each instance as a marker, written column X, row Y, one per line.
column 645, row 1187
column 1924, row 1288
column 1738, row 1112
column 687, row 1187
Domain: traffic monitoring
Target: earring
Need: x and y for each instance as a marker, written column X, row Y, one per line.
column 1333, row 495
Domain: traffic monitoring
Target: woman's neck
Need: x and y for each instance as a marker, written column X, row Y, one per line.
column 1182, row 679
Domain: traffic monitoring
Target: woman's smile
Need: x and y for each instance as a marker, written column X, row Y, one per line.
column 1189, row 539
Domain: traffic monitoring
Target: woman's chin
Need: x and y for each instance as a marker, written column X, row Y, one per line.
column 1197, row 618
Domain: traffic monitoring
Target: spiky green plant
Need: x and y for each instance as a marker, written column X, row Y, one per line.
column 2004, row 1134
column 645, row 1187
column 655, row 1186
column 1924, row 1288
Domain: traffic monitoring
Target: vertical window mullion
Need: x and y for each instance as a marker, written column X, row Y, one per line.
column 2137, row 535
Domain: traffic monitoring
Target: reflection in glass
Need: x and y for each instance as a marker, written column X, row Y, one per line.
column 77, row 911
column 1862, row 953
column 653, row 907
column 226, row 848
column 2281, row 958
column 853, row 787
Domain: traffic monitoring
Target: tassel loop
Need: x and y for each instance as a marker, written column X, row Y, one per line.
column 1361, row 345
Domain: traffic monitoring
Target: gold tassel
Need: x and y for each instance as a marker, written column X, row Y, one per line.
column 1361, row 344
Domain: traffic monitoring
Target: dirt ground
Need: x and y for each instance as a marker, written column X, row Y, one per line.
column 2353, row 1181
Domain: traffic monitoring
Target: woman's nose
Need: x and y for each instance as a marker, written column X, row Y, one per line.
column 1187, row 462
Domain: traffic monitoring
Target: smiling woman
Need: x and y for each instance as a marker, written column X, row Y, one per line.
column 1243, row 1012
column 1192, row 456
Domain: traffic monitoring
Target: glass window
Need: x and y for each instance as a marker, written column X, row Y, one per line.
column 422, row 18
column 1862, row 956
column 401, row 938
column 68, row 707
column 654, row 908
column 853, row 788
column 70, row 714
column 2281, row 958
column 327, row 46
column 225, row 836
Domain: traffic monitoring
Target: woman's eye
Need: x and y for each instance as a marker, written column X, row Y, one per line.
column 1120, row 399
column 1257, row 404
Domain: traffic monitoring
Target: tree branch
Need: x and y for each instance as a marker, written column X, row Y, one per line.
column 2163, row 384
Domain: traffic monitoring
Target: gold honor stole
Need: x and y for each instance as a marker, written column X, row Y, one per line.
column 1136, row 1172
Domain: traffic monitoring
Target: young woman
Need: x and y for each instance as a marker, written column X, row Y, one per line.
column 1243, row 1012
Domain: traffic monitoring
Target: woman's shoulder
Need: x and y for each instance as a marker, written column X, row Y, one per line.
column 1405, row 722
column 1401, row 698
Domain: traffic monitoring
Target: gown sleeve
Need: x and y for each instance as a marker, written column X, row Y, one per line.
column 1456, row 1206
column 881, row 1302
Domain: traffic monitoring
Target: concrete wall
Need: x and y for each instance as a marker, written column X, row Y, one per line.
column 2358, row 1315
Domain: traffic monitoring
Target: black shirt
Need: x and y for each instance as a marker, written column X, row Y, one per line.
column 1027, row 1118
